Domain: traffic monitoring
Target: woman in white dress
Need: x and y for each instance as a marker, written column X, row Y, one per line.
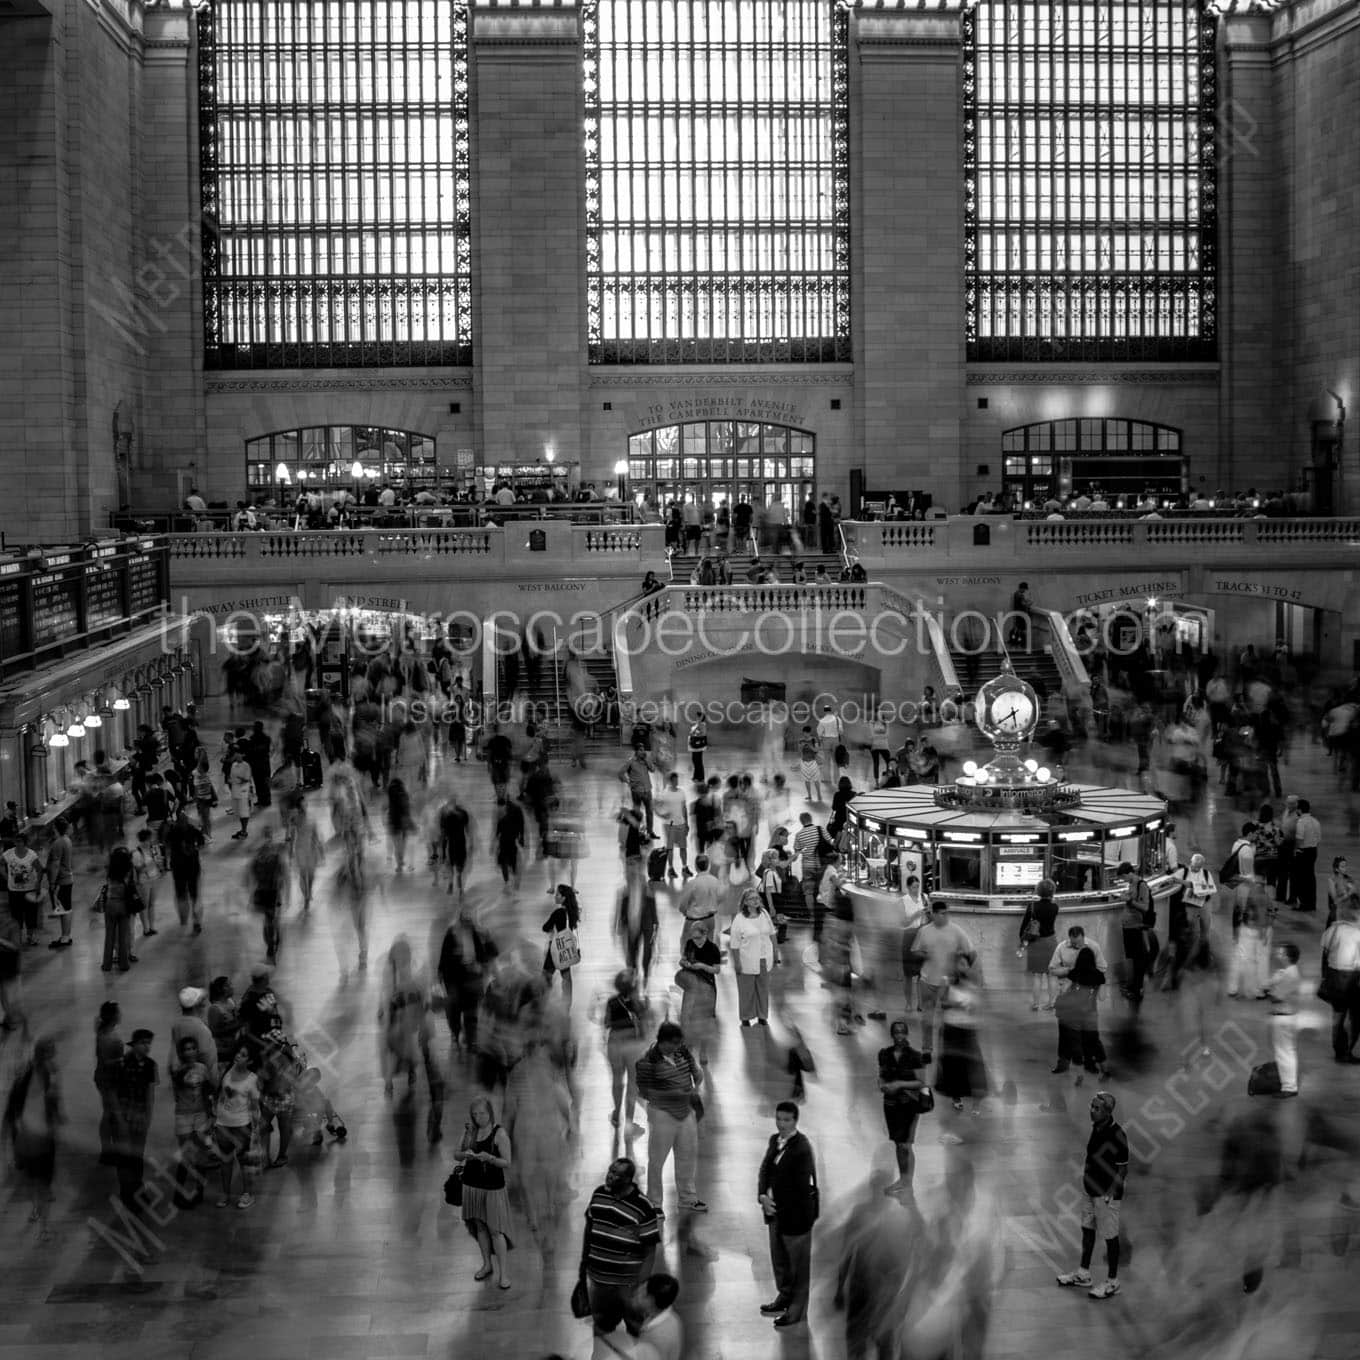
column 752, row 948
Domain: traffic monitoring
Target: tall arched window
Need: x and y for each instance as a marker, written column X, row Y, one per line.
column 1090, row 179
column 339, row 457
column 721, row 462
column 1122, row 459
column 717, row 180
column 334, row 165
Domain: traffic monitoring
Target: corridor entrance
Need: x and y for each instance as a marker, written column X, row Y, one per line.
column 718, row 462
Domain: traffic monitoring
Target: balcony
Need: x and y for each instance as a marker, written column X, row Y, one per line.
column 997, row 541
column 532, row 549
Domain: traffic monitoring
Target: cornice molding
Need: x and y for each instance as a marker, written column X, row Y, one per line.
column 1088, row 377
column 710, row 379
column 347, row 383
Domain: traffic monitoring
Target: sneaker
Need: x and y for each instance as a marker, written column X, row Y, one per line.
column 776, row 1308
column 1104, row 1291
column 1075, row 1279
column 245, row 1201
column 696, row 1207
column 950, row 1139
column 224, row 1203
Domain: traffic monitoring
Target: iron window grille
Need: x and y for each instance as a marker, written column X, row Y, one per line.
column 334, row 161
column 1089, row 173
column 717, row 181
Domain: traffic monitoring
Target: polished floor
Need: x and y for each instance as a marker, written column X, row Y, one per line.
column 350, row 1251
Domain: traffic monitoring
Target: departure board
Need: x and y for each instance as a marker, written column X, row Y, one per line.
column 144, row 583
column 56, row 608
column 12, row 633
column 103, row 595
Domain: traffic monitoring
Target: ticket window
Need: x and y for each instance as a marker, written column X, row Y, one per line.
column 1076, row 867
column 960, row 869
column 872, row 854
column 1117, row 851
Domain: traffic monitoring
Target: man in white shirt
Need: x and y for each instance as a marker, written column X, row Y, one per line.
column 661, row 1335
column 1065, row 955
column 1341, row 970
column 1307, row 838
column 195, row 503
column 943, row 944
column 829, row 729
column 505, row 496
column 670, row 803
column 699, row 899
column 387, row 497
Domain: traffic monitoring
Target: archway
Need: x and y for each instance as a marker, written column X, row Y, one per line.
column 1122, row 458
column 718, row 462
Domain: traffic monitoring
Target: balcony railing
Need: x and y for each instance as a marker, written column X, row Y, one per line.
column 980, row 541
column 535, row 548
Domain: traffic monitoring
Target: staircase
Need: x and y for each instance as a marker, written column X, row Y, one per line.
column 548, row 699
column 1034, row 663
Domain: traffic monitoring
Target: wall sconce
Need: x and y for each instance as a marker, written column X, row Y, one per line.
column 76, row 730
column 59, row 739
column 121, row 705
column 93, row 721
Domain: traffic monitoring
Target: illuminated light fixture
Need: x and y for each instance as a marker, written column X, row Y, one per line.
column 970, row 768
column 1075, row 835
column 59, row 739
column 76, row 729
column 1121, row 831
column 550, row 454
column 93, row 721
column 1043, row 774
column 356, row 470
column 281, row 473
column 963, row 836
column 1031, row 765
column 121, row 705
column 1154, row 824
column 1152, row 602
column 621, row 468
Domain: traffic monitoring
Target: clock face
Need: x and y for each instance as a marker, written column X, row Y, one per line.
column 1010, row 714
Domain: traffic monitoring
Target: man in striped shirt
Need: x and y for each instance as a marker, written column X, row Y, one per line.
column 807, row 846
column 623, row 1228
column 667, row 1077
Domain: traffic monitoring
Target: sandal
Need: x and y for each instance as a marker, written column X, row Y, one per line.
column 485, row 1273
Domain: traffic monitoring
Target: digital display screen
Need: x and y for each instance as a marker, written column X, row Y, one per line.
column 103, row 597
column 11, row 618
column 1018, row 873
column 56, row 605
column 144, row 584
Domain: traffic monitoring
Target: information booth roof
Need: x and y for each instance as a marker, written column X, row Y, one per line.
column 915, row 807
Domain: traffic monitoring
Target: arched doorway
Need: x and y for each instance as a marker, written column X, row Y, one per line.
column 1122, row 458
column 720, row 461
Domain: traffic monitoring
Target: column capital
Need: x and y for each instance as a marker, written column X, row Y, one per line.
column 525, row 24
column 924, row 25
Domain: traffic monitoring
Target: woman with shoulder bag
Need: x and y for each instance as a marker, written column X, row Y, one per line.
column 1037, row 934
column 236, row 1116
column 120, row 902
column 484, row 1156
column 564, row 941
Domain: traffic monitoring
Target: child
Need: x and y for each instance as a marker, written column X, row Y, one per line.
column 1283, row 990
column 146, row 872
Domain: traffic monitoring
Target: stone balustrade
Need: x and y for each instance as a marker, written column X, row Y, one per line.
column 978, row 542
column 528, row 549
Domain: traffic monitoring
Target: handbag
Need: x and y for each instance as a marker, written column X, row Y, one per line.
column 923, row 1098
column 453, row 1188
column 1329, row 989
column 565, row 949
column 580, row 1297
column 686, row 979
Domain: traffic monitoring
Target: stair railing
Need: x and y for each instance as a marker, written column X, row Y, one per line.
column 557, row 677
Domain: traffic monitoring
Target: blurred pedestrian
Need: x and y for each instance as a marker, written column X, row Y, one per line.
column 33, row 1114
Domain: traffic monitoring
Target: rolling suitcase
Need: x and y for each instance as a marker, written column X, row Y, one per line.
column 311, row 769
column 656, row 865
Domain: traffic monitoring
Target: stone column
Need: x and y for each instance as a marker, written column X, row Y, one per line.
column 1252, row 440
column 528, row 225
column 907, row 224
column 169, row 275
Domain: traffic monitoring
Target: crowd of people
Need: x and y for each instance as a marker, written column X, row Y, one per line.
column 722, row 869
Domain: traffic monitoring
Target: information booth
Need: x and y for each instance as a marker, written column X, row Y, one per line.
column 983, row 844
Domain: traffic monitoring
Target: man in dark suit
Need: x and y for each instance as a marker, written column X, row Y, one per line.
column 788, row 1195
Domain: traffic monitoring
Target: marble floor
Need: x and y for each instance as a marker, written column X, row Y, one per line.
column 350, row 1252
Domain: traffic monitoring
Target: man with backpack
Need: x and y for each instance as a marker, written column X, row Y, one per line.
column 1140, row 939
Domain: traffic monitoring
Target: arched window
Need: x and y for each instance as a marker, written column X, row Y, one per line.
column 720, row 462
column 717, row 180
column 330, row 457
column 1089, row 179
column 1121, row 459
